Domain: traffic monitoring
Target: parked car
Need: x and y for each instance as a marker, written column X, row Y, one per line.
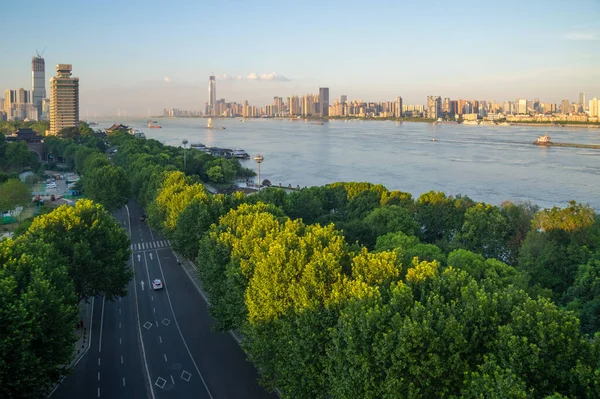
column 157, row 284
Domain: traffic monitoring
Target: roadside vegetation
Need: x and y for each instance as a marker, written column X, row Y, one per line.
column 352, row 290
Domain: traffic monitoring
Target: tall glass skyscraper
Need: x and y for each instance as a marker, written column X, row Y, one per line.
column 212, row 96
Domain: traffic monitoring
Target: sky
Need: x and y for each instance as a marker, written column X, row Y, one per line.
column 136, row 56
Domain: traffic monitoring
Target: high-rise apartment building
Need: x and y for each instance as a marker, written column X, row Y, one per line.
column 434, row 107
column 565, row 107
column 38, row 83
column 343, row 99
column 594, row 107
column 398, row 107
column 582, row 103
column 307, row 105
column 212, row 96
column 323, row 101
column 521, row 106
column 64, row 99
column 294, row 105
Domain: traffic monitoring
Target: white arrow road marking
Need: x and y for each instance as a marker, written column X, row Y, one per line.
column 142, row 284
column 139, row 258
column 150, row 255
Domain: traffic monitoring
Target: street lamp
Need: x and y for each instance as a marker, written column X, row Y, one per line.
column 259, row 158
column 184, row 142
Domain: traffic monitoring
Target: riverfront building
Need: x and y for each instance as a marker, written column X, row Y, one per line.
column 212, row 96
column 323, row 101
column 64, row 99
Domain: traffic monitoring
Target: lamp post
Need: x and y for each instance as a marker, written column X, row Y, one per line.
column 184, row 142
column 259, row 158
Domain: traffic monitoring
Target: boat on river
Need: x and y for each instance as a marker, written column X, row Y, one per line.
column 154, row 125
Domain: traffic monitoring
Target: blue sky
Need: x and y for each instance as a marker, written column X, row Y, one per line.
column 136, row 55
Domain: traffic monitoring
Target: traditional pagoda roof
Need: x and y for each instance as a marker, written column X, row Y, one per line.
column 116, row 127
column 25, row 134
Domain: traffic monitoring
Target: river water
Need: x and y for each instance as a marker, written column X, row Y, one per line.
column 487, row 163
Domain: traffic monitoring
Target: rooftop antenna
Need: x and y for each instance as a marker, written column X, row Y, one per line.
column 42, row 53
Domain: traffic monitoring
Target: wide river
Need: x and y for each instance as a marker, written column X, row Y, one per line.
column 487, row 163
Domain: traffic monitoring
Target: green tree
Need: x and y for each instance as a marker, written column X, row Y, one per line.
column 38, row 309
column 215, row 174
column 485, row 230
column 94, row 245
column 18, row 155
column 107, row 185
column 69, row 133
column 13, row 193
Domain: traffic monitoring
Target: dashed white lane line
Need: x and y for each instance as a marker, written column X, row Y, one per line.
column 172, row 380
column 123, row 381
column 98, row 376
column 152, row 297
column 98, row 361
column 165, row 357
column 119, row 310
column 121, row 359
column 98, row 391
column 119, row 324
column 154, row 310
column 160, row 339
column 120, row 341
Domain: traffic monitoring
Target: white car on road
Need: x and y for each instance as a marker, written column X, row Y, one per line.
column 157, row 284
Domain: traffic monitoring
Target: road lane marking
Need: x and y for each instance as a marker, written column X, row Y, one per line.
column 98, row 361
column 101, row 324
column 119, row 324
column 137, row 314
column 165, row 357
column 154, row 310
column 147, row 270
column 123, row 381
column 160, row 382
column 152, row 297
column 98, row 391
column 166, row 286
column 160, row 339
column 186, row 376
column 172, row 380
column 147, row 325
column 98, row 376
column 120, row 342
column 119, row 310
column 121, row 359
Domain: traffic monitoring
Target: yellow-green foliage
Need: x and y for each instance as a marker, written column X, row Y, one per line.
column 174, row 194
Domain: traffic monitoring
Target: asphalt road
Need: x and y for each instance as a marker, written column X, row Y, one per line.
column 178, row 356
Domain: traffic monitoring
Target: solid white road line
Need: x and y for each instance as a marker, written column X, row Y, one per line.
column 101, row 324
column 177, row 324
column 137, row 316
column 147, row 270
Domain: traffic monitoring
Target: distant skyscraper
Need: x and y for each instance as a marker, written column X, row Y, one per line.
column 398, row 108
column 565, row 107
column 64, row 99
column 521, row 106
column 38, row 82
column 212, row 96
column 594, row 107
column 343, row 99
column 434, row 107
column 582, row 103
column 323, row 101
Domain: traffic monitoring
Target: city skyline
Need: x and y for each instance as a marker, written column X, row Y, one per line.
column 505, row 52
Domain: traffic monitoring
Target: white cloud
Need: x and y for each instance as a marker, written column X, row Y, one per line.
column 273, row 76
column 586, row 36
column 167, row 79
